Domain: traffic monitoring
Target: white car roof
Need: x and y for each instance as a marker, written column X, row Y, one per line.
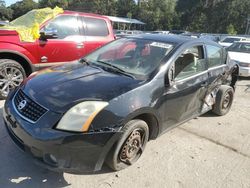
column 244, row 41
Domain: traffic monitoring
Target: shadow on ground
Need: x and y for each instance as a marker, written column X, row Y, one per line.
column 18, row 170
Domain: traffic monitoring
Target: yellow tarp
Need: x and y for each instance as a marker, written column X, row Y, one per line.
column 29, row 24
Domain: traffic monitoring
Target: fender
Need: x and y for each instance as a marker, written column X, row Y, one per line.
column 18, row 50
column 146, row 111
column 141, row 111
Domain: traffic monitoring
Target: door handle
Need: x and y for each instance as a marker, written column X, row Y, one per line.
column 80, row 45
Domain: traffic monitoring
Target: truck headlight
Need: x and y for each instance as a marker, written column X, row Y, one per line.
column 80, row 116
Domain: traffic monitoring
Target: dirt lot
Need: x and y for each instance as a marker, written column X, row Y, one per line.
column 208, row 151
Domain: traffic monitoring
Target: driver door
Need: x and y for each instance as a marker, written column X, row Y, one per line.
column 69, row 44
column 183, row 100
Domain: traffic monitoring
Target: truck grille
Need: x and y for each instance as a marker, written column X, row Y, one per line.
column 27, row 108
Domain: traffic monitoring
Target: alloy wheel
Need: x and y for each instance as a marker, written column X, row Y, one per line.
column 10, row 77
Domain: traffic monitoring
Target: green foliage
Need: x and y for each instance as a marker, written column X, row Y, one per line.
column 158, row 14
column 231, row 30
column 5, row 13
column 52, row 3
column 210, row 16
column 104, row 7
column 126, row 6
column 22, row 7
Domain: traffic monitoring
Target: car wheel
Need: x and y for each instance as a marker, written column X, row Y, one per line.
column 224, row 100
column 130, row 145
column 11, row 75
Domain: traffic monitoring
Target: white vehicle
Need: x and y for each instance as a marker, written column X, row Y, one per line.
column 2, row 23
column 240, row 53
column 160, row 32
column 228, row 41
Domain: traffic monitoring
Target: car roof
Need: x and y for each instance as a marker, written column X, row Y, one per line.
column 173, row 39
column 244, row 41
column 235, row 37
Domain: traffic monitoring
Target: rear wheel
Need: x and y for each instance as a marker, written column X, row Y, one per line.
column 130, row 146
column 11, row 75
column 224, row 100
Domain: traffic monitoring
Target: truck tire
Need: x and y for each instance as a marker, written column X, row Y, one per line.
column 11, row 75
column 130, row 145
column 224, row 100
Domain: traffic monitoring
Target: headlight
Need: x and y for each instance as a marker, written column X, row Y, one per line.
column 80, row 116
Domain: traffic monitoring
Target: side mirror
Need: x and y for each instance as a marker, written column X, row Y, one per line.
column 169, row 80
column 48, row 34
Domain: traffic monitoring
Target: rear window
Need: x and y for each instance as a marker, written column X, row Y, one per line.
column 231, row 40
column 96, row 27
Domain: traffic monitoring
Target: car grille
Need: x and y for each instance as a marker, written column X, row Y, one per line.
column 29, row 109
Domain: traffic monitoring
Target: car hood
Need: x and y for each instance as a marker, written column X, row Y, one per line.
column 6, row 32
column 8, row 35
column 238, row 56
column 61, row 87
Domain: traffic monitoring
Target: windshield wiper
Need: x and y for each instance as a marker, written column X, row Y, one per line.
column 117, row 69
column 83, row 60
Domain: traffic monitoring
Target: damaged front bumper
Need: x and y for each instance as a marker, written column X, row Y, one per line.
column 58, row 150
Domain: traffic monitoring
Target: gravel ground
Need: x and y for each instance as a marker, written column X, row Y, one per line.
column 208, row 151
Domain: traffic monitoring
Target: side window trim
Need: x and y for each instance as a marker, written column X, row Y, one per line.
column 217, row 67
column 191, row 77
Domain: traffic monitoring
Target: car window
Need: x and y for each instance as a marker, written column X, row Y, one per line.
column 231, row 40
column 214, row 54
column 190, row 62
column 136, row 56
column 96, row 27
column 240, row 47
column 64, row 25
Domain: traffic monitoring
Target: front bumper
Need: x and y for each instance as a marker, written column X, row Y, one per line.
column 244, row 71
column 58, row 150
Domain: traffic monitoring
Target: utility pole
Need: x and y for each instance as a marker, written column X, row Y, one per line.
column 248, row 26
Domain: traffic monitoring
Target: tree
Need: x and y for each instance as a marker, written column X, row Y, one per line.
column 213, row 16
column 52, row 3
column 5, row 13
column 22, row 7
column 159, row 14
column 210, row 16
column 126, row 7
column 104, row 7
column 231, row 30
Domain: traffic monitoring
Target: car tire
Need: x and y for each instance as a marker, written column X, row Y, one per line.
column 224, row 100
column 11, row 75
column 130, row 145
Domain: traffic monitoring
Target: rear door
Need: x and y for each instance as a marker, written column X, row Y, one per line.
column 69, row 44
column 97, row 32
column 183, row 100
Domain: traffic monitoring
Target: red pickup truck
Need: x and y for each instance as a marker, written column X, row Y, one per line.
column 67, row 37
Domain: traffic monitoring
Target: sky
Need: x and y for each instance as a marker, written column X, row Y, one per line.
column 9, row 2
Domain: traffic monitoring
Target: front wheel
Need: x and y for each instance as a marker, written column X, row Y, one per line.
column 11, row 75
column 224, row 100
column 130, row 145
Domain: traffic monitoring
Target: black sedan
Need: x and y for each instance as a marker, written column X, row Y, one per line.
column 108, row 105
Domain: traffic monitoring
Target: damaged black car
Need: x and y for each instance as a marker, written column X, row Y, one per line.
column 105, row 107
